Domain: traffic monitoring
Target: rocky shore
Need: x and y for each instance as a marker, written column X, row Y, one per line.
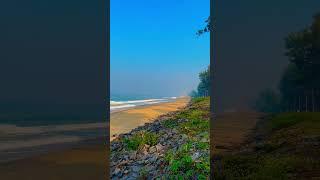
column 174, row 145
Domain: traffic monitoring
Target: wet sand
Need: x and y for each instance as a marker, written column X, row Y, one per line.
column 125, row 121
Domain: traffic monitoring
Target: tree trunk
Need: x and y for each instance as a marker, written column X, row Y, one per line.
column 312, row 94
column 306, row 102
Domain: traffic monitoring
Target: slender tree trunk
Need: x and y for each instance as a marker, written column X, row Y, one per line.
column 306, row 102
column 312, row 100
column 299, row 104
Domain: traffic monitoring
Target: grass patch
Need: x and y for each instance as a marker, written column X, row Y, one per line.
column 284, row 120
column 180, row 162
column 170, row 123
column 191, row 114
column 140, row 139
column 182, row 166
column 199, row 99
column 275, row 159
column 257, row 167
column 195, row 127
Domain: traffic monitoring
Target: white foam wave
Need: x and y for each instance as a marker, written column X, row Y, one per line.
column 132, row 103
column 122, row 106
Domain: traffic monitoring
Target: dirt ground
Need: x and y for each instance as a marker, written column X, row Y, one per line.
column 80, row 163
column 231, row 130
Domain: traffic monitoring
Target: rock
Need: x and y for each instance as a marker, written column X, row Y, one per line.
column 116, row 171
column 204, row 140
column 152, row 149
column 129, row 164
column 153, row 159
column 184, row 136
column 140, row 162
column 132, row 176
column 159, row 147
column 144, row 151
column 126, row 157
column 136, row 168
column 133, row 155
column 195, row 156
column 150, row 168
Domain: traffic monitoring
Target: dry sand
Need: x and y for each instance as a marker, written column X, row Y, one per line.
column 125, row 121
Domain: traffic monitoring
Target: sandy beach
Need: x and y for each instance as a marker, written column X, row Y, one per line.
column 126, row 120
column 72, row 151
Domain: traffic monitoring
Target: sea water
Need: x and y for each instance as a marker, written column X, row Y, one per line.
column 125, row 102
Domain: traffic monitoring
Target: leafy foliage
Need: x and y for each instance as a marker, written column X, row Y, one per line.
column 208, row 28
column 181, row 163
column 204, row 85
column 140, row 139
column 302, row 77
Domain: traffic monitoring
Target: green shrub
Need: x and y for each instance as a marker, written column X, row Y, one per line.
column 194, row 127
column 150, row 139
column 284, row 120
column 140, row 139
column 134, row 143
column 170, row 123
column 181, row 163
column 199, row 99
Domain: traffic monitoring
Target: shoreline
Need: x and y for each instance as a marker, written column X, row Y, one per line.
column 26, row 142
column 126, row 120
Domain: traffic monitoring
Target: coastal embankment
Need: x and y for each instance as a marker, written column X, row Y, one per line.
column 174, row 145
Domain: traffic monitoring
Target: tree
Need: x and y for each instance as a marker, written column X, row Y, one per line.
column 204, row 85
column 300, row 83
column 208, row 28
column 193, row 93
column 268, row 101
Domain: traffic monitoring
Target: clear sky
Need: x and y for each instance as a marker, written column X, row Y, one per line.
column 154, row 46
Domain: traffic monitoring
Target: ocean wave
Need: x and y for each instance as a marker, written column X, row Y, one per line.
column 135, row 101
column 122, row 106
column 132, row 103
column 116, row 103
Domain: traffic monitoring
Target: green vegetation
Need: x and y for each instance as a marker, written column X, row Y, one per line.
column 299, row 87
column 257, row 167
column 200, row 100
column 143, row 173
column 140, row 139
column 284, row 120
column 204, row 85
column 208, row 28
column 196, row 128
column 182, row 165
column 171, row 123
column 268, row 101
column 283, row 153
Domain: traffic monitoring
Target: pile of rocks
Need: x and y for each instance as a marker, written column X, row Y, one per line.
column 147, row 161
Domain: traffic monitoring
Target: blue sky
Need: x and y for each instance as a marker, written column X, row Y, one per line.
column 154, row 47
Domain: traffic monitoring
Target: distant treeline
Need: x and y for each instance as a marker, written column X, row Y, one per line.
column 299, row 87
column 204, row 85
